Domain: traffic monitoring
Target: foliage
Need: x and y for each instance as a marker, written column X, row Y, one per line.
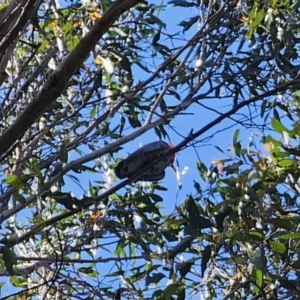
column 80, row 80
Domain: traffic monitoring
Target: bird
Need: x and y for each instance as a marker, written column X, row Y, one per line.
column 143, row 157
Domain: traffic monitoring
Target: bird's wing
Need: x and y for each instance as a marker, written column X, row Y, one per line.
column 154, row 146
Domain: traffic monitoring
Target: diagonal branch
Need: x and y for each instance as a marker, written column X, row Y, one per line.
column 58, row 79
column 125, row 139
column 13, row 21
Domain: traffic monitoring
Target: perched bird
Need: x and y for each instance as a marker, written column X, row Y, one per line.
column 143, row 157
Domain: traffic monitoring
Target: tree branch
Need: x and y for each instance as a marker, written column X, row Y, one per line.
column 59, row 79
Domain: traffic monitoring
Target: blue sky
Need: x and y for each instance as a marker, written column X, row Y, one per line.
column 195, row 118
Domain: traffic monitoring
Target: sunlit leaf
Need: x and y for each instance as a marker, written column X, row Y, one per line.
column 277, row 125
column 259, row 278
column 295, row 235
column 278, row 247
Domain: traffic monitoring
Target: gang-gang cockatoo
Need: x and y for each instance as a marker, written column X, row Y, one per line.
column 143, row 157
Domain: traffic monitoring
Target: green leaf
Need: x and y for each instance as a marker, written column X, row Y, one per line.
column 90, row 271
column 172, row 289
column 258, row 18
column 122, row 124
column 276, row 114
column 259, row 278
column 202, row 169
column 236, row 260
column 155, row 20
column 256, row 236
column 270, row 139
column 9, row 259
column 285, row 163
column 134, row 122
column 63, row 153
column 206, row 255
column 157, row 132
column 188, row 24
column 295, row 5
column 11, row 179
column 236, row 136
column 263, row 108
column 181, row 246
column 184, row 268
column 281, row 223
column 35, row 168
column 156, row 38
column 155, row 278
column 286, row 236
column 19, row 198
column 197, row 187
column 278, row 247
column 217, row 147
column 126, row 65
column 120, row 32
column 157, row 295
column 156, row 198
column 118, row 294
column 237, row 149
column 277, row 126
